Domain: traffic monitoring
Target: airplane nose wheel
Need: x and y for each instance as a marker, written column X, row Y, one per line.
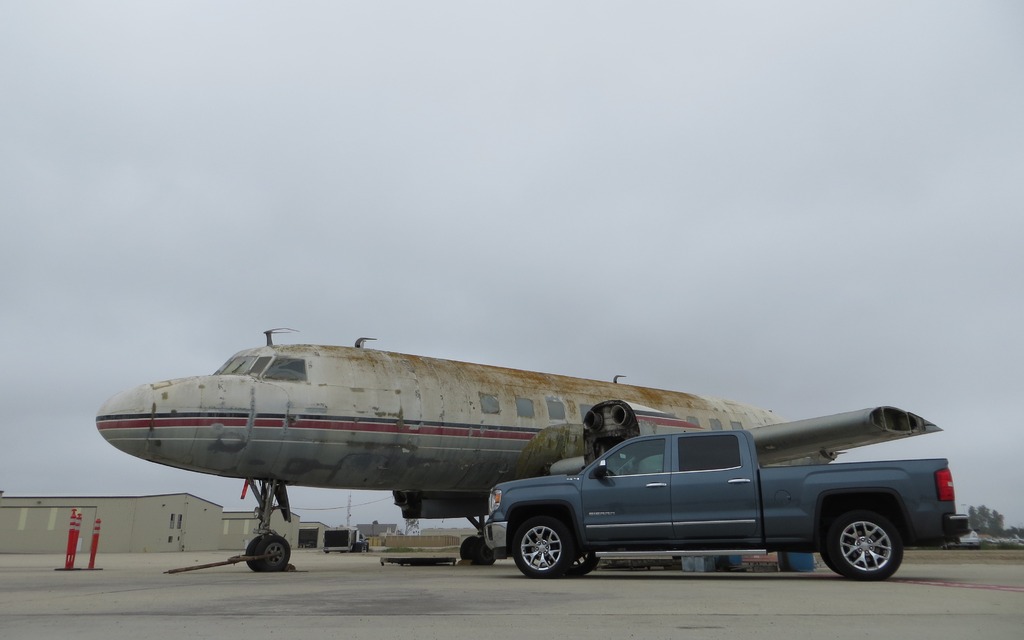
column 270, row 550
column 275, row 552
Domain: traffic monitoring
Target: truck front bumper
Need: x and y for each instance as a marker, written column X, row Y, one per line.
column 495, row 537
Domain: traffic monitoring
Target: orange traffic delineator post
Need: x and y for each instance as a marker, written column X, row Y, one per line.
column 73, row 532
column 95, row 545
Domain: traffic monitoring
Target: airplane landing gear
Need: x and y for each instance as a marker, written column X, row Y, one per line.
column 474, row 548
column 272, row 549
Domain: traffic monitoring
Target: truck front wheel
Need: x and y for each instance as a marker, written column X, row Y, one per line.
column 543, row 548
column 864, row 546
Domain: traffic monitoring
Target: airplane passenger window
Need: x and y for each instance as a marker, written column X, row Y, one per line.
column 489, row 404
column 709, row 453
column 556, row 410
column 524, row 407
column 286, row 369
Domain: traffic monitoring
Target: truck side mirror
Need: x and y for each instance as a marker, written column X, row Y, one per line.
column 601, row 470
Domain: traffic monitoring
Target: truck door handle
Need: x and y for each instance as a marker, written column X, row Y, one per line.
column 740, row 481
column 657, row 484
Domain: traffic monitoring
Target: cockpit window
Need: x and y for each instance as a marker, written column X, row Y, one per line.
column 244, row 365
column 236, row 366
column 286, row 369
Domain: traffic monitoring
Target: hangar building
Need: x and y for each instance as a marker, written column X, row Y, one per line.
column 160, row 523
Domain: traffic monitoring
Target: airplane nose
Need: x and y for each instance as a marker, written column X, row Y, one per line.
column 125, row 419
column 199, row 423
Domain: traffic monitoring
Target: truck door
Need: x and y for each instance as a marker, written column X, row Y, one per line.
column 714, row 492
column 632, row 501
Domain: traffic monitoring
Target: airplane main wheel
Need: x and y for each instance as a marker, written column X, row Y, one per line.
column 484, row 555
column 468, row 547
column 475, row 549
column 277, row 552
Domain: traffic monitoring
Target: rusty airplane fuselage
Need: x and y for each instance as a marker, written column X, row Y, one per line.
column 341, row 417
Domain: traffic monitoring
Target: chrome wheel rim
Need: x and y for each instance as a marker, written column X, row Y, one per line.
column 865, row 546
column 541, row 548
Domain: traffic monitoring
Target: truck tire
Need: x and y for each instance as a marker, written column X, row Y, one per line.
column 583, row 564
column 543, row 548
column 864, row 545
column 827, row 559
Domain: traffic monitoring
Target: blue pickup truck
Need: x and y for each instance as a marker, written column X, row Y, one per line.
column 704, row 494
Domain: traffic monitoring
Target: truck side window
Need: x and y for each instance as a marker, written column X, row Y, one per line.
column 638, row 458
column 709, row 453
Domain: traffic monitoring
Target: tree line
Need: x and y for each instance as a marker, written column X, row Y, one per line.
column 990, row 522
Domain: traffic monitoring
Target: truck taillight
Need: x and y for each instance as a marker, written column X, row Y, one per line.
column 944, row 485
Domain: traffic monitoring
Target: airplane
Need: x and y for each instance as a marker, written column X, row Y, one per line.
column 437, row 433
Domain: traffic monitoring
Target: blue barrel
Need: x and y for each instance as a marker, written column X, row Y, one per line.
column 796, row 561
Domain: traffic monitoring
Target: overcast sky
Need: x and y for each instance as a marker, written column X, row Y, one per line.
column 809, row 207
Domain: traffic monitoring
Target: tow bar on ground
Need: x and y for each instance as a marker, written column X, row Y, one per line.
column 231, row 560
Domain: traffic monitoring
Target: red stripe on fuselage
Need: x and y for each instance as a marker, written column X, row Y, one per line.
column 199, row 422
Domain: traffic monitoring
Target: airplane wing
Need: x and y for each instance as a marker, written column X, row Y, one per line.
column 827, row 436
column 820, row 439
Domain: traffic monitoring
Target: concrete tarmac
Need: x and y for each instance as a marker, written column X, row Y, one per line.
column 355, row 596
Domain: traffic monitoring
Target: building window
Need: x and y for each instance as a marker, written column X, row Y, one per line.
column 172, row 522
column 735, row 425
column 694, row 420
column 716, row 424
column 524, row 407
column 489, row 404
column 179, row 519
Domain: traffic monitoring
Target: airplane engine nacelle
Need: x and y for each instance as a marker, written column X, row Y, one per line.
column 548, row 448
column 607, row 424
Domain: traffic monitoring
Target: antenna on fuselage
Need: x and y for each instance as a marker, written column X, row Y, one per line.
column 615, row 380
column 270, row 333
column 361, row 341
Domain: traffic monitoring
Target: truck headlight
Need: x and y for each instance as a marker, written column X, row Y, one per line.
column 494, row 501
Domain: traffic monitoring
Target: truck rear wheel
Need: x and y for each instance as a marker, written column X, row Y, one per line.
column 823, row 552
column 864, row 545
column 543, row 548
